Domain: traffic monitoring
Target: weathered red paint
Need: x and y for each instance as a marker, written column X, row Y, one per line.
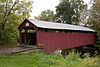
column 23, row 25
column 53, row 40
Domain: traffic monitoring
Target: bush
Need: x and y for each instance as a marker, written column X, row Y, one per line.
column 7, row 38
column 51, row 60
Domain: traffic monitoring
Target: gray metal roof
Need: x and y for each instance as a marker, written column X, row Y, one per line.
column 52, row 25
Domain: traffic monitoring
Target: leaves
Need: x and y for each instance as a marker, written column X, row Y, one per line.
column 94, row 18
column 12, row 13
column 69, row 11
column 64, row 12
column 46, row 15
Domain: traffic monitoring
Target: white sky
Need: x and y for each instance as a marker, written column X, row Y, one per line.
column 40, row 5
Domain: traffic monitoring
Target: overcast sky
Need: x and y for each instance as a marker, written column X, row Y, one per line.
column 40, row 5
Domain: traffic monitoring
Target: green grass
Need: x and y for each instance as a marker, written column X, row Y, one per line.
column 44, row 60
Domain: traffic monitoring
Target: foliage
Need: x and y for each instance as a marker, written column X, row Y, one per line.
column 69, row 11
column 44, row 60
column 78, row 8
column 64, row 12
column 12, row 13
column 84, row 16
column 94, row 18
column 46, row 15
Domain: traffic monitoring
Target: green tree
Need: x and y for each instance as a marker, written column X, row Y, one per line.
column 78, row 8
column 46, row 15
column 94, row 18
column 12, row 13
column 69, row 11
column 64, row 12
column 84, row 16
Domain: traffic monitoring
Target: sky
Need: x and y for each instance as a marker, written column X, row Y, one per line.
column 40, row 5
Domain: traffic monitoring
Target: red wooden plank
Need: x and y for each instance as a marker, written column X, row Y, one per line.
column 53, row 41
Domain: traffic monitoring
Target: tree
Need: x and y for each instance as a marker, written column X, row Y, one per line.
column 78, row 8
column 12, row 13
column 46, row 15
column 83, row 17
column 64, row 12
column 70, row 10
column 94, row 18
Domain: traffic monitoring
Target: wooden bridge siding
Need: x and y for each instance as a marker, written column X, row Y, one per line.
column 53, row 41
column 23, row 25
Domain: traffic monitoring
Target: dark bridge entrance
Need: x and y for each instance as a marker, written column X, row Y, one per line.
column 28, row 36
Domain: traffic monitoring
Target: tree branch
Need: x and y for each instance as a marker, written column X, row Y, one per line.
column 5, row 11
column 12, row 7
column 6, row 15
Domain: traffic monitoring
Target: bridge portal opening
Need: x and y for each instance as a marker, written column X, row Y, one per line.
column 28, row 36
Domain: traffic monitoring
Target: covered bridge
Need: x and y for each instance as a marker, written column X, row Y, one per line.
column 53, row 36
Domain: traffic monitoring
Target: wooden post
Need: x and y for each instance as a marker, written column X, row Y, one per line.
column 26, row 36
column 43, row 30
column 20, row 40
column 53, row 30
column 26, row 30
column 36, row 31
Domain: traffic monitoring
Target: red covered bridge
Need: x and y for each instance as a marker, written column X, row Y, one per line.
column 53, row 36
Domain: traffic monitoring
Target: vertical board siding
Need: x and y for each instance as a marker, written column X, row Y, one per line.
column 53, row 41
column 30, row 25
column 23, row 25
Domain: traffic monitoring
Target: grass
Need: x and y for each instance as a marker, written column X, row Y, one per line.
column 51, row 60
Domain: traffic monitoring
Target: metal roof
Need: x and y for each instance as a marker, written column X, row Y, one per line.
column 53, row 25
